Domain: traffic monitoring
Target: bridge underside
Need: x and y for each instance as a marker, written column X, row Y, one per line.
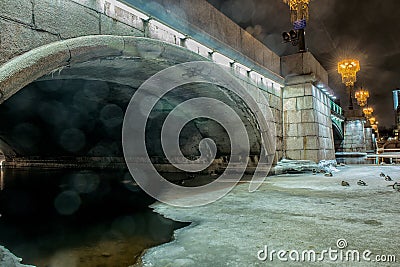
column 73, row 108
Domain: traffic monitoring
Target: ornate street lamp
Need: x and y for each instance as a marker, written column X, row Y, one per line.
column 348, row 68
column 362, row 96
column 368, row 112
column 299, row 18
column 298, row 10
column 372, row 120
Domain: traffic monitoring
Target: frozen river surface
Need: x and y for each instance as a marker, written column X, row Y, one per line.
column 288, row 219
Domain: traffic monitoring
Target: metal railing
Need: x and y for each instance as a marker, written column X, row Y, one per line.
column 336, row 108
column 382, row 153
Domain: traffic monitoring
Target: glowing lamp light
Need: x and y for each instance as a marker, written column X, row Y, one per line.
column 362, row 97
column 368, row 112
column 298, row 10
column 348, row 68
column 375, row 125
column 372, row 120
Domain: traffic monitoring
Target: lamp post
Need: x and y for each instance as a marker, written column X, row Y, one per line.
column 299, row 18
column 362, row 97
column 375, row 127
column 348, row 69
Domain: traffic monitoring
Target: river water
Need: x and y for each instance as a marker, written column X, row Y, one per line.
column 78, row 218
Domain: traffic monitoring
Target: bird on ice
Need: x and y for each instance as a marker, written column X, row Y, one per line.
column 329, row 174
column 396, row 186
column 362, row 183
column 382, row 174
column 388, row 178
column 344, row 183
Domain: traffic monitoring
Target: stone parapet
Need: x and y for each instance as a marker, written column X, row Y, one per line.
column 307, row 124
column 303, row 64
column 354, row 136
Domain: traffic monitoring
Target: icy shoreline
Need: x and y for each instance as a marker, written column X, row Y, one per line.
column 292, row 211
column 10, row 260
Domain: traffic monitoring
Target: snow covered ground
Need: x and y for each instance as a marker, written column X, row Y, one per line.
column 7, row 259
column 296, row 213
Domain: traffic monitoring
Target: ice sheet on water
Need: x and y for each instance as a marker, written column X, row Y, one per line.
column 328, row 165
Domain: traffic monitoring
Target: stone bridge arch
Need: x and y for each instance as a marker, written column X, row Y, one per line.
column 119, row 62
column 338, row 135
column 56, row 56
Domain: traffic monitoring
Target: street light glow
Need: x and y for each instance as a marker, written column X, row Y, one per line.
column 368, row 112
column 362, row 96
column 348, row 68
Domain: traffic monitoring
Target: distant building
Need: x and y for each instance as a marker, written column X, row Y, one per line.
column 396, row 107
column 396, row 98
column 397, row 127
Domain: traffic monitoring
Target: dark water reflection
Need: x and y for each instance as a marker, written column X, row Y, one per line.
column 78, row 218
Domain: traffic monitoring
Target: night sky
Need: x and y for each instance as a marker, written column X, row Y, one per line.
column 367, row 30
